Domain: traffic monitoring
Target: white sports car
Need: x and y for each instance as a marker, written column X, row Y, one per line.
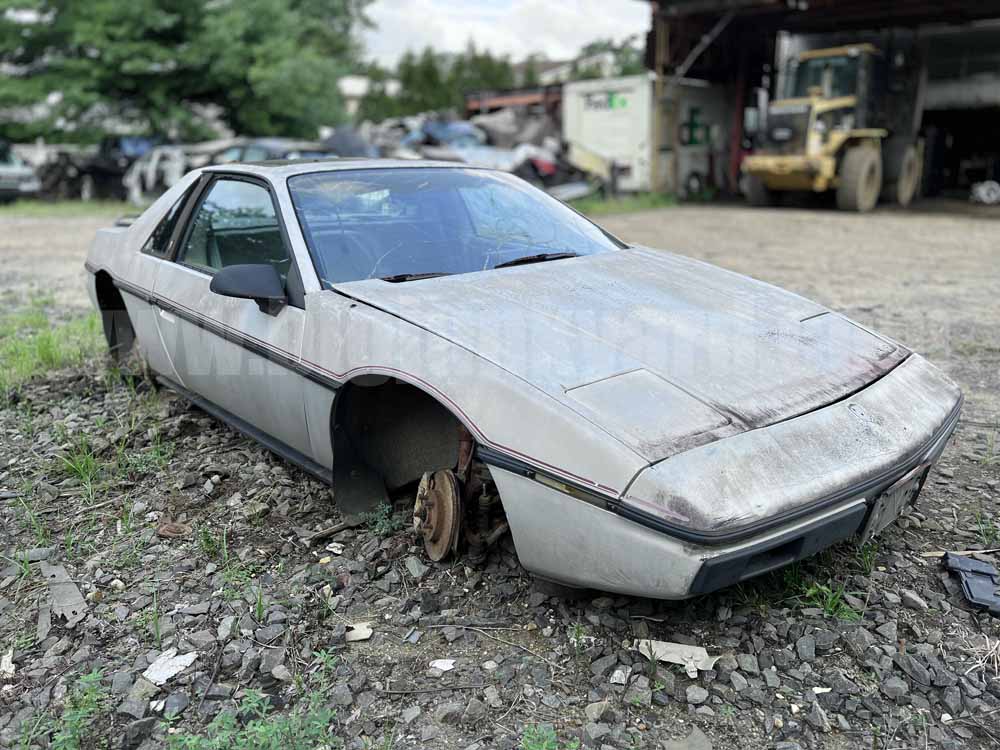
column 641, row 422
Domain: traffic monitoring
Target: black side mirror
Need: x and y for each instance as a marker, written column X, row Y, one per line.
column 257, row 281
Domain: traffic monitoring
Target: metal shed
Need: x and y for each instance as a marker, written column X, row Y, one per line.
column 737, row 42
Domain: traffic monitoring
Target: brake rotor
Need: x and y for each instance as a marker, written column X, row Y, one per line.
column 437, row 513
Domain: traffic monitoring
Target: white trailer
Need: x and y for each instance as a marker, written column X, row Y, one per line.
column 610, row 121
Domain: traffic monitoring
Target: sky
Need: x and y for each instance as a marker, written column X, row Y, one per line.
column 556, row 28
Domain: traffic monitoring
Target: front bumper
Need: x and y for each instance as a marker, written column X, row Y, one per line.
column 12, row 188
column 766, row 498
column 792, row 172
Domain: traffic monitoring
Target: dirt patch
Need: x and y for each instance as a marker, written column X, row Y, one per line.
column 859, row 648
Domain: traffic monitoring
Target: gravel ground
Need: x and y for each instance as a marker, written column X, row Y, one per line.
column 858, row 648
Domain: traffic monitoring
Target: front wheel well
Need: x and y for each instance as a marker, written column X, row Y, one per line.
column 388, row 436
column 394, row 428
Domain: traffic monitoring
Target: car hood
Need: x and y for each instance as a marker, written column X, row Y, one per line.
column 661, row 351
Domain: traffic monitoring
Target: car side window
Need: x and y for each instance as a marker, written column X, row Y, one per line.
column 236, row 223
column 158, row 243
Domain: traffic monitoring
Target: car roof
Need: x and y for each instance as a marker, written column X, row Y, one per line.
column 279, row 168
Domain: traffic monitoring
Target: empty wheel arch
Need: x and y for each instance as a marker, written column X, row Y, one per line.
column 394, row 441
column 118, row 330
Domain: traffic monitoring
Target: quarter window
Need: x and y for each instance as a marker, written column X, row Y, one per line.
column 236, row 223
column 158, row 243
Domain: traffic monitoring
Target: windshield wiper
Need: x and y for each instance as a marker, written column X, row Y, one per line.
column 396, row 278
column 539, row 258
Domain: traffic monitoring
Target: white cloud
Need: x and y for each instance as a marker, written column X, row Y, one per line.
column 507, row 27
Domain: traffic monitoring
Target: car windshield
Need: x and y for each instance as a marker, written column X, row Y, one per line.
column 400, row 223
column 833, row 76
column 7, row 156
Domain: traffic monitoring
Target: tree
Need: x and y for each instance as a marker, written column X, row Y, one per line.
column 478, row 71
column 627, row 59
column 529, row 72
column 422, row 82
column 270, row 65
column 378, row 104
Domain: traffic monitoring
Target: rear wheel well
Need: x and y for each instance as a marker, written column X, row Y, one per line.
column 118, row 330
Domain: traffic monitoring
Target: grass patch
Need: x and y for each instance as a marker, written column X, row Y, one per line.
column 308, row 725
column 831, row 600
column 807, row 584
column 989, row 531
column 543, row 737
column 596, row 206
column 31, row 345
column 77, row 726
column 56, row 209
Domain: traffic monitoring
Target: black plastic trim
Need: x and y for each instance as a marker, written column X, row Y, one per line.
column 871, row 486
column 493, row 457
column 275, row 446
column 733, row 567
column 230, row 335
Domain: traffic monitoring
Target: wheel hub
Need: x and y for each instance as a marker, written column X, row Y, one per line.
column 437, row 513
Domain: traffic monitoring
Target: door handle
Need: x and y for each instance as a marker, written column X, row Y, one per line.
column 167, row 316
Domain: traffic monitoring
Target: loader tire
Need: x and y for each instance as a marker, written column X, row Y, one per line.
column 860, row 179
column 905, row 178
column 759, row 194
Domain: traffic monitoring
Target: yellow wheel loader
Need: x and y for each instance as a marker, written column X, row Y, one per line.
column 849, row 123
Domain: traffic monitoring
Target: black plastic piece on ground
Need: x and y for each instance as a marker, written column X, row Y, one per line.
column 980, row 581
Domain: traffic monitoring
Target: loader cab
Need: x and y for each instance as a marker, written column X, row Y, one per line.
column 827, row 76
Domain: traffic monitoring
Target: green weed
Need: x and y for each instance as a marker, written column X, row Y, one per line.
column 992, row 455
column 543, row 737
column 131, row 465
column 308, row 725
column 23, row 566
column 382, row 522
column 76, row 727
column 81, row 463
column 830, row 600
column 989, row 531
column 866, row 555
column 34, row 524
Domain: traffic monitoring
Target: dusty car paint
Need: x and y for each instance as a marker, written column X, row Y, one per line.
column 633, row 400
column 707, row 340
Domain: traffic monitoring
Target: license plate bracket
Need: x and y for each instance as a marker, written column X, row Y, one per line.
column 890, row 504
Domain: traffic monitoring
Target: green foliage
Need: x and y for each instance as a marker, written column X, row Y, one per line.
column 428, row 81
column 830, row 599
column 31, row 345
column 529, row 72
column 544, row 737
column 75, row 727
column 382, row 522
column 597, row 206
column 866, row 555
column 308, row 725
column 989, row 531
column 271, row 65
column 627, row 58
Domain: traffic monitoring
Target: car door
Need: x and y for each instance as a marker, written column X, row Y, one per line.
column 239, row 359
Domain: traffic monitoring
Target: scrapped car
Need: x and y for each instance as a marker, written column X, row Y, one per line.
column 17, row 179
column 641, row 422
